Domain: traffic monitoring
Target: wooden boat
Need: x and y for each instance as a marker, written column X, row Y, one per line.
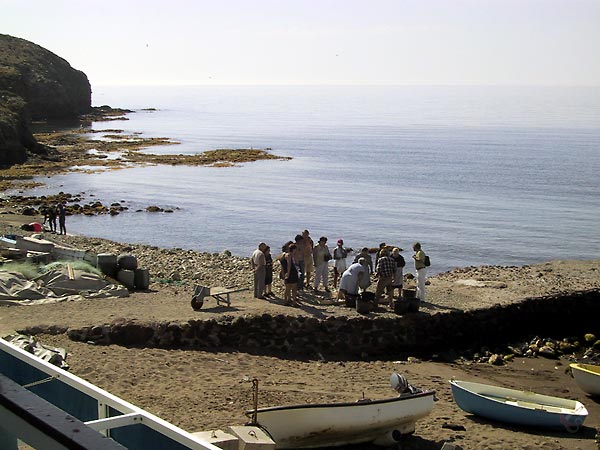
column 587, row 376
column 334, row 424
column 518, row 407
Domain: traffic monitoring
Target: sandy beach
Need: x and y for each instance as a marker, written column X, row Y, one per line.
column 200, row 390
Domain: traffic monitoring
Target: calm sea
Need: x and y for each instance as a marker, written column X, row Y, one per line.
column 478, row 175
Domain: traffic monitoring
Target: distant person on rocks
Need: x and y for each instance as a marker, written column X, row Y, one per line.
column 307, row 249
column 339, row 256
column 421, row 269
column 268, row 272
column 385, row 270
column 259, row 262
column 61, row 212
column 300, row 260
column 399, row 274
column 354, row 277
column 364, row 253
column 321, row 258
column 50, row 218
column 291, row 276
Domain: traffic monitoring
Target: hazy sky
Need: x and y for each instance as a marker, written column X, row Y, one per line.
column 378, row 42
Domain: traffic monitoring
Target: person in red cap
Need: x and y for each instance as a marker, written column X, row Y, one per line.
column 339, row 255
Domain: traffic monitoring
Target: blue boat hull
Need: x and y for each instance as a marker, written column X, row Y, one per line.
column 518, row 407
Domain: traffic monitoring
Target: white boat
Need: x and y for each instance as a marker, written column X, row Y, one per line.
column 587, row 376
column 382, row 422
column 518, row 407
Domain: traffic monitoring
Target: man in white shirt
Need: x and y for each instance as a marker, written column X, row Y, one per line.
column 259, row 265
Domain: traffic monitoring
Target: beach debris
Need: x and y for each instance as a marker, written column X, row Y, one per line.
column 453, row 426
column 56, row 356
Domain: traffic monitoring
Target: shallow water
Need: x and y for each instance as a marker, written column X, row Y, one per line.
column 478, row 175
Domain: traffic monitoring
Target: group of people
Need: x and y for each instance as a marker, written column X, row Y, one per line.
column 301, row 257
column 389, row 273
column 51, row 213
column 297, row 264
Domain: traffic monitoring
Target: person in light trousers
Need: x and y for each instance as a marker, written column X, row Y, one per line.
column 419, row 258
column 321, row 257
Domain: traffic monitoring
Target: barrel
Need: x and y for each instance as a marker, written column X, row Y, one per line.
column 409, row 293
column 107, row 263
column 127, row 262
column 127, row 278
column 141, row 279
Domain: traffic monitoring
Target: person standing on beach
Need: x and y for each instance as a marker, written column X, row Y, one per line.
column 364, row 253
column 385, row 270
column 300, row 260
column 62, row 213
column 268, row 272
column 382, row 246
column 259, row 266
column 339, row 256
column 307, row 249
column 421, row 269
column 321, row 258
column 292, row 273
column 399, row 274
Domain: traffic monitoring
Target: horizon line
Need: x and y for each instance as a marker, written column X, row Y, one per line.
column 342, row 85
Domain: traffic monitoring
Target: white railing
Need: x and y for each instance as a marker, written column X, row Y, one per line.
column 130, row 414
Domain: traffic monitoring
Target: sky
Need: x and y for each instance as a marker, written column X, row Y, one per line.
column 316, row 42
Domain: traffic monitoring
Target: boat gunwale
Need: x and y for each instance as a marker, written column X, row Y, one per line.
column 429, row 392
column 584, row 368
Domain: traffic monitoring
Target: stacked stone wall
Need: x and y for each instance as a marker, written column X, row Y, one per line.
column 555, row 316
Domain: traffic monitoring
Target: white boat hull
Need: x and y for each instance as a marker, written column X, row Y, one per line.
column 309, row 426
column 587, row 376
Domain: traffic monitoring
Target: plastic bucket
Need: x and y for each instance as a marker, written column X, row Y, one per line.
column 408, row 294
column 350, row 300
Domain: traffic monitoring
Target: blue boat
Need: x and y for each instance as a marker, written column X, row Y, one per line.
column 518, row 407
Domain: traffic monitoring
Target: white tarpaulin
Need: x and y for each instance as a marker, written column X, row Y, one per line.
column 55, row 285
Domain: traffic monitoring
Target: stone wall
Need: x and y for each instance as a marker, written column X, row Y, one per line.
column 363, row 337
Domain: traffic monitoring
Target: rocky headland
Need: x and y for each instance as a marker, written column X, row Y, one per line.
column 35, row 84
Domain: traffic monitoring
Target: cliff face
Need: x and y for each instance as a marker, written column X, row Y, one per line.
column 35, row 84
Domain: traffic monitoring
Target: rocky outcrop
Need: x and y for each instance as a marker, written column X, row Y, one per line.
column 35, row 84
column 15, row 136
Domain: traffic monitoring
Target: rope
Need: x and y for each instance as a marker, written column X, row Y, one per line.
column 35, row 383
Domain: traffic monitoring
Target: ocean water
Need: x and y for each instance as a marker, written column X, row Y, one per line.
column 478, row 175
